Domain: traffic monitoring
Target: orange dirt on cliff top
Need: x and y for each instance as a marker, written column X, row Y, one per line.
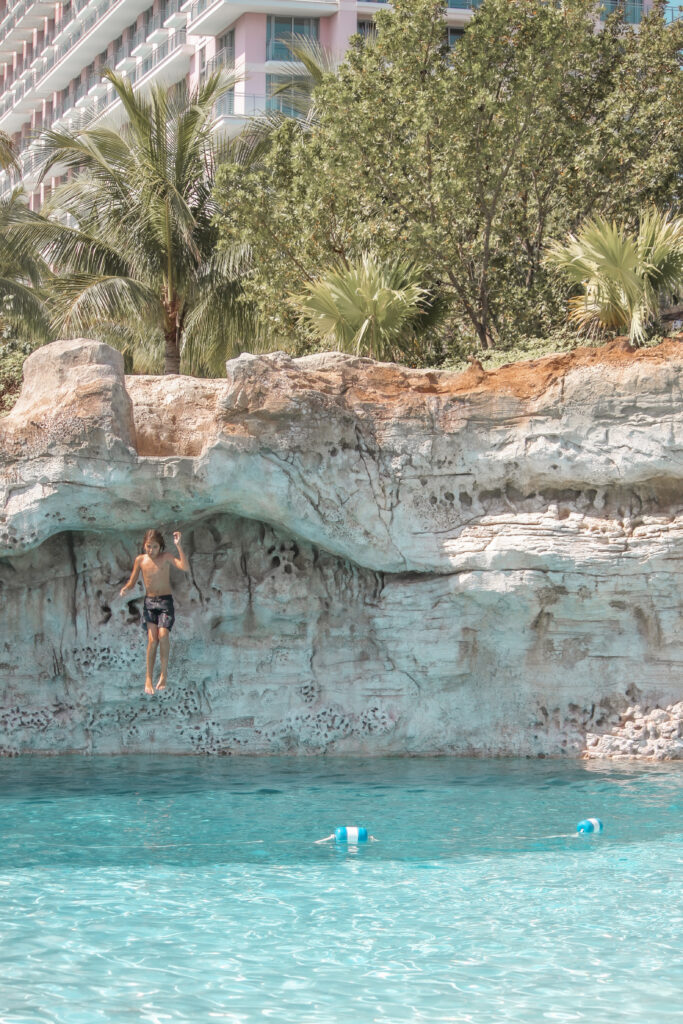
column 526, row 379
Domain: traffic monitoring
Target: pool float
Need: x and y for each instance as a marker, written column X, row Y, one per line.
column 349, row 834
column 589, row 825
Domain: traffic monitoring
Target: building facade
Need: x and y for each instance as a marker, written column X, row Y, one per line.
column 52, row 55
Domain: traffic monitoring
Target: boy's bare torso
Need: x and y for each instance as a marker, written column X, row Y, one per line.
column 156, row 574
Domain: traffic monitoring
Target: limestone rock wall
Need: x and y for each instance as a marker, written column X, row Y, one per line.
column 383, row 560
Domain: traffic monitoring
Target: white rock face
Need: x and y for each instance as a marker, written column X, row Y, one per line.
column 383, row 560
column 654, row 734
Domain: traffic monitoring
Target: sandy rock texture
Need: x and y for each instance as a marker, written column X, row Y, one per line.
column 383, row 560
column 642, row 733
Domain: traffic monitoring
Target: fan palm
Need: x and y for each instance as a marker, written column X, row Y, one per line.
column 131, row 235
column 368, row 308
column 624, row 276
column 22, row 274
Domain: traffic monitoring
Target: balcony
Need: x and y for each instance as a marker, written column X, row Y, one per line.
column 81, row 95
column 225, row 58
column 233, row 109
column 277, row 49
column 16, row 102
column 73, row 17
column 211, row 17
column 123, row 59
column 20, row 22
column 168, row 63
column 102, row 22
column 95, row 86
column 174, row 17
column 156, row 33
column 141, row 45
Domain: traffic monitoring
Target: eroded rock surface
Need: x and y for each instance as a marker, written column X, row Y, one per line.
column 383, row 560
column 641, row 733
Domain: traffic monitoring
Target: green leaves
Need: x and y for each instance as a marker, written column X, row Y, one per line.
column 624, row 276
column 131, row 236
column 463, row 162
column 369, row 308
column 23, row 271
column 8, row 156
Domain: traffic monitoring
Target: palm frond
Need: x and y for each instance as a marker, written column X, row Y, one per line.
column 23, row 307
column 623, row 277
column 8, row 155
column 81, row 300
column 369, row 308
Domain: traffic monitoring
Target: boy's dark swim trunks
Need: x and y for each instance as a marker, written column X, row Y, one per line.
column 158, row 611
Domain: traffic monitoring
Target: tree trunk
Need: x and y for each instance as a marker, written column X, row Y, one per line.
column 171, row 352
column 485, row 339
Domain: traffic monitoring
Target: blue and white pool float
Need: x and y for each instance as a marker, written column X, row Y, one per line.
column 589, row 825
column 351, row 834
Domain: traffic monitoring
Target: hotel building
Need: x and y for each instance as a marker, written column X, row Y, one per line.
column 52, row 55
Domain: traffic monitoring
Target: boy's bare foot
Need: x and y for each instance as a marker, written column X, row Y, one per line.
column 161, row 685
column 149, row 688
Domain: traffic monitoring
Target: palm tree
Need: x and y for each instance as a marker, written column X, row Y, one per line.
column 131, row 234
column 368, row 308
column 23, row 273
column 624, row 276
column 8, row 156
column 293, row 98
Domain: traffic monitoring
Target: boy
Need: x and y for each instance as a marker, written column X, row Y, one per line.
column 158, row 614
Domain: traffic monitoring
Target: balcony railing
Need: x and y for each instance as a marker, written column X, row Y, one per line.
column 160, row 53
column 279, row 49
column 65, row 45
column 248, row 105
column 225, row 58
column 197, row 8
column 12, row 19
column 171, row 8
column 12, row 97
column 156, row 25
column 225, row 106
column 123, row 53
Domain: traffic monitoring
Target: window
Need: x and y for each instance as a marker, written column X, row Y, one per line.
column 226, row 41
column 281, row 30
column 366, row 28
column 454, row 36
column 279, row 95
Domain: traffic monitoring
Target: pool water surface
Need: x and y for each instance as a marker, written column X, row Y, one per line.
column 168, row 889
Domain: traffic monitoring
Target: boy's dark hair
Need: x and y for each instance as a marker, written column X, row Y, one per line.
column 156, row 536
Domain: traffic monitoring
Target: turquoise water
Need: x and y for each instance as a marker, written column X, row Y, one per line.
column 180, row 889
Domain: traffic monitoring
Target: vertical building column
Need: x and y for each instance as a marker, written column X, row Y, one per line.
column 336, row 31
column 250, row 49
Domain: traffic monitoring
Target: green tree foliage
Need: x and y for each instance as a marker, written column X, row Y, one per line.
column 132, row 237
column 624, row 276
column 369, row 308
column 23, row 276
column 464, row 162
column 24, row 321
column 8, row 156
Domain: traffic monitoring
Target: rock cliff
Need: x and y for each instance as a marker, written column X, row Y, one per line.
column 382, row 560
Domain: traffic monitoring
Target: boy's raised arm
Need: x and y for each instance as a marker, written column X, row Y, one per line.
column 133, row 577
column 181, row 562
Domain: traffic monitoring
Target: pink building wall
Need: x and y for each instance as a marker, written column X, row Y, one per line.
column 336, row 31
column 250, row 48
